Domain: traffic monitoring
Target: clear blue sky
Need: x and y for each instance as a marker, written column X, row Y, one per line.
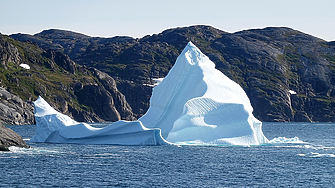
column 137, row 18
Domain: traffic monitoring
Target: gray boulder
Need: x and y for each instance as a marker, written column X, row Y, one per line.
column 10, row 138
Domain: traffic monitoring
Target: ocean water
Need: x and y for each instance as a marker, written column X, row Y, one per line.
column 306, row 160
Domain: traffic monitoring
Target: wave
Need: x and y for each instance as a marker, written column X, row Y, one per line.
column 295, row 142
column 275, row 141
column 20, row 150
column 314, row 154
column 284, row 140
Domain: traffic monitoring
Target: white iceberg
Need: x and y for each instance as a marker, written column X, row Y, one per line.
column 194, row 104
column 54, row 127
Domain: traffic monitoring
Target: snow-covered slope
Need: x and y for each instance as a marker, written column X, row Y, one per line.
column 54, row 127
column 196, row 103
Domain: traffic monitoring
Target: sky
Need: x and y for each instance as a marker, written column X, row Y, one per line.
column 137, row 18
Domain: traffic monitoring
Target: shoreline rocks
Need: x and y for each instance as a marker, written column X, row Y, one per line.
column 10, row 138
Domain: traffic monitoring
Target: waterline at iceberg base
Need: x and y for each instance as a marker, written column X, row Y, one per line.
column 194, row 104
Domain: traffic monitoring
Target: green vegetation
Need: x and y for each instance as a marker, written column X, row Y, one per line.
column 51, row 82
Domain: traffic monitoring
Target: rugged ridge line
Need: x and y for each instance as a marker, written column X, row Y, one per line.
column 287, row 74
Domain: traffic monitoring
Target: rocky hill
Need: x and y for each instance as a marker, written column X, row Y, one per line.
column 288, row 75
column 86, row 94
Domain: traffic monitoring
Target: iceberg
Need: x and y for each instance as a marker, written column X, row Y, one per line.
column 194, row 104
column 55, row 127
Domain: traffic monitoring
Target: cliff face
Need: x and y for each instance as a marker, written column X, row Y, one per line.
column 288, row 75
column 275, row 63
column 14, row 110
column 85, row 94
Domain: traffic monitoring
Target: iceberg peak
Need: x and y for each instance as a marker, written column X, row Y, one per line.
column 193, row 56
column 196, row 102
column 191, row 45
column 42, row 108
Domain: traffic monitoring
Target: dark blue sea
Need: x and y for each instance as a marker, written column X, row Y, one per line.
column 308, row 162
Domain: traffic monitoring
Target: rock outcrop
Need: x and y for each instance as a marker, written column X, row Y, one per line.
column 13, row 110
column 86, row 94
column 10, row 138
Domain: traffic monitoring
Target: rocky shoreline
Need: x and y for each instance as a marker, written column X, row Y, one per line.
column 10, row 138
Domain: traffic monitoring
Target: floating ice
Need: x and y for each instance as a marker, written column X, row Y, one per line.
column 54, row 127
column 195, row 103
